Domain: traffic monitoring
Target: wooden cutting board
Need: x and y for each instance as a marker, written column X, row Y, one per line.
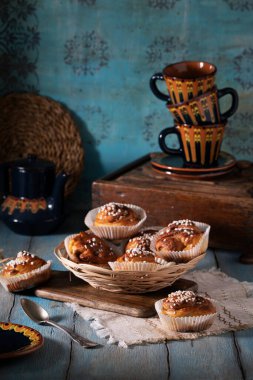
column 60, row 288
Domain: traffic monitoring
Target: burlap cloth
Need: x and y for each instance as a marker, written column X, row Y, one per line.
column 234, row 302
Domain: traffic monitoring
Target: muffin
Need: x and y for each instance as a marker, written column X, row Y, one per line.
column 138, row 256
column 138, row 244
column 116, row 221
column 181, row 240
column 24, row 272
column 87, row 248
column 115, row 214
column 186, row 311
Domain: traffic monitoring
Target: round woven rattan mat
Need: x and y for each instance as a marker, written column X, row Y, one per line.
column 34, row 124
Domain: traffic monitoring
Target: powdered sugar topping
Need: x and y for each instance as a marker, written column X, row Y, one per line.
column 183, row 298
column 185, row 226
column 21, row 259
column 115, row 210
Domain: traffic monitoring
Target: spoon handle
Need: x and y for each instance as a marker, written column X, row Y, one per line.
column 77, row 338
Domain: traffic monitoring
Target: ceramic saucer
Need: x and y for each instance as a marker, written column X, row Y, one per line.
column 173, row 164
column 18, row 340
column 195, row 176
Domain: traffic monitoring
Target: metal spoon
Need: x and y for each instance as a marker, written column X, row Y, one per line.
column 40, row 316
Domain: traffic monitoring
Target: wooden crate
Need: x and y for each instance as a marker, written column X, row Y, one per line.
column 226, row 202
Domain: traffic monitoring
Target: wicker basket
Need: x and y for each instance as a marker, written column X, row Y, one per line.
column 34, row 124
column 125, row 282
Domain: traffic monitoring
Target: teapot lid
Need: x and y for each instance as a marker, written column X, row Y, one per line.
column 33, row 163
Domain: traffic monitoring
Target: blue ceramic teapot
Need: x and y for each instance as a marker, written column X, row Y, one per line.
column 33, row 195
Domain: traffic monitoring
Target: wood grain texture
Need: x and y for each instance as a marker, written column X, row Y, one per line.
column 214, row 202
column 242, row 339
column 41, row 363
column 227, row 356
column 211, row 364
column 10, row 248
column 60, row 288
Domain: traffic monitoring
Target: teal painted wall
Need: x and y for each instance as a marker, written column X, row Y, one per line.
column 97, row 56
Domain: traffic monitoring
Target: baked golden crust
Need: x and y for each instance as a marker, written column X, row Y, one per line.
column 88, row 248
column 139, row 242
column 138, row 249
column 116, row 214
column 134, row 256
column 179, row 235
column 25, row 262
column 187, row 304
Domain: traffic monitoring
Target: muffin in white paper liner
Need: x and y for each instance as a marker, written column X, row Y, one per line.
column 149, row 231
column 139, row 266
column 117, row 249
column 186, row 255
column 115, row 232
column 66, row 242
column 26, row 280
column 184, row 324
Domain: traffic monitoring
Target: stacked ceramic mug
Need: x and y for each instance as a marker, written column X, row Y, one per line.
column 194, row 102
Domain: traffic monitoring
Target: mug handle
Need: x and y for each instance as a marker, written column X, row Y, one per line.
column 154, row 88
column 235, row 102
column 161, row 140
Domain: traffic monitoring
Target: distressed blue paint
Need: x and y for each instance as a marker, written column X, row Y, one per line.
column 96, row 57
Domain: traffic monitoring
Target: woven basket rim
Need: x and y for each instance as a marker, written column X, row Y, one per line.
column 31, row 123
column 124, row 281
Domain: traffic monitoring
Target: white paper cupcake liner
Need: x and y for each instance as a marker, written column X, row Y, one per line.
column 26, row 280
column 187, row 255
column 184, row 324
column 66, row 242
column 138, row 266
column 115, row 232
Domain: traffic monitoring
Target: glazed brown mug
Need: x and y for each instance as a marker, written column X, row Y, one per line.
column 184, row 80
column 199, row 145
column 205, row 108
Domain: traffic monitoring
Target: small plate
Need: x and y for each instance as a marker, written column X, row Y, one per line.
column 194, row 176
column 17, row 340
column 175, row 164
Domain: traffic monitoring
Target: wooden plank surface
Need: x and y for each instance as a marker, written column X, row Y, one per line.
column 215, row 357
column 227, row 356
column 243, row 340
column 60, row 288
column 179, row 199
column 140, row 173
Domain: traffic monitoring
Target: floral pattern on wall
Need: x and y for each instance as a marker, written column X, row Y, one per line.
column 153, row 124
column 244, row 68
column 85, row 2
column 163, row 47
column 150, row 131
column 99, row 123
column 162, row 4
column 86, row 53
column 240, row 5
column 19, row 46
column 97, row 57
column 240, row 140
